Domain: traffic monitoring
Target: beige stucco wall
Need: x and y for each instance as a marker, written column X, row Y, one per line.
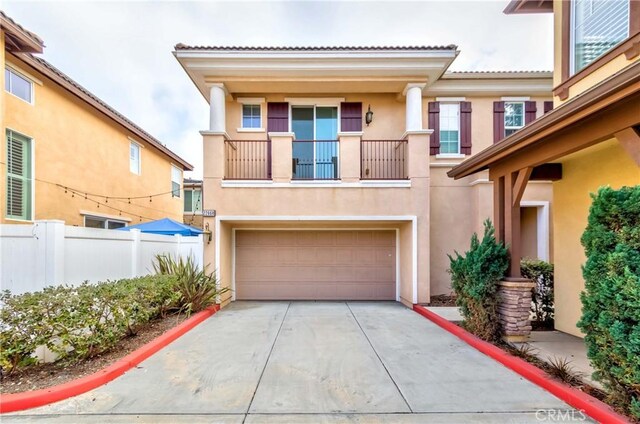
column 583, row 173
column 529, row 232
column 78, row 147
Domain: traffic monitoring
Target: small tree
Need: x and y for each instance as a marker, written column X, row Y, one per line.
column 475, row 278
column 611, row 300
column 541, row 273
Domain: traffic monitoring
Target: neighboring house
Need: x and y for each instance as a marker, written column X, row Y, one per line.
column 192, row 202
column 67, row 155
column 325, row 168
column 593, row 134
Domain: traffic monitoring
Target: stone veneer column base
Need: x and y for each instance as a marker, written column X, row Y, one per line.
column 514, row 309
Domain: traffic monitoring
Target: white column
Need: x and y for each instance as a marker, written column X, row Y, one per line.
column 217, row 108
column 413, row 93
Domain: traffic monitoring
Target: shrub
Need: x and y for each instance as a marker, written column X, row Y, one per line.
column 611, row 299
column 82, row 321
column 198, row 288
column 542, row 273
column 475, row 278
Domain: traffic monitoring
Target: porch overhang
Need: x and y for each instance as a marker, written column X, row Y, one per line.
column 245, row 70
column 609, row 110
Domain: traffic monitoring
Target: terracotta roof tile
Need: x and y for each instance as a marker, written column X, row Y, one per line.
column 181, row 46
column 4, row 19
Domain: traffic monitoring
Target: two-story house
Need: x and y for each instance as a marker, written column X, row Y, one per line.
column 592, row 135
column 325, row 167
column 69, row 156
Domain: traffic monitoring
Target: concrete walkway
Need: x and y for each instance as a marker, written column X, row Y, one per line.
column 308, row 362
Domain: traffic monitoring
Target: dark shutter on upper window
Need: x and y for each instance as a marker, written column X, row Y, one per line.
column 548, row 106
column 277, row 117
column 530, row 110
column 351, row 116
column 498, row 121
column 434, row 124
column 465, row 128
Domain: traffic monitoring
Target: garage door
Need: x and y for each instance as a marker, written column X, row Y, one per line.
column 318, row 265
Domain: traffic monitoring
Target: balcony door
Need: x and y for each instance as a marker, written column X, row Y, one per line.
column 315, row 149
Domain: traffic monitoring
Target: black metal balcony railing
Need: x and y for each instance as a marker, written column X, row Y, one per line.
column 383, row 160
column 247, row 159
column 315, row 160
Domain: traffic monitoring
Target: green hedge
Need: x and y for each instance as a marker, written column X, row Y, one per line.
column 475, row 278
column 82, row 321
column 611, row 300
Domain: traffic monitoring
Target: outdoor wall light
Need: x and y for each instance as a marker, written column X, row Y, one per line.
column 207, row 232
column 368, row 117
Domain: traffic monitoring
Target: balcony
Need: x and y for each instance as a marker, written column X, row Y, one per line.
column 315, row 160
column 348, row 160
column 247, row 159
column 383, row 160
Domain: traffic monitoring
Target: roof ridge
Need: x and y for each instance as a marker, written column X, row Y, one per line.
column 182, row 46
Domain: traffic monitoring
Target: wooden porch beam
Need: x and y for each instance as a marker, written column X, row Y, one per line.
column 520, row 185
column 629, row 139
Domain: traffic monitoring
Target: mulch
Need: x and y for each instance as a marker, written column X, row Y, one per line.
column 46, row 375
column 443, row 300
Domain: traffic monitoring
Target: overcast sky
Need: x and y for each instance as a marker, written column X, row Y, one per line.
column 121, row 51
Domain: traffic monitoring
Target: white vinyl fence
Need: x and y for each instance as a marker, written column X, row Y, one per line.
column 50, row 253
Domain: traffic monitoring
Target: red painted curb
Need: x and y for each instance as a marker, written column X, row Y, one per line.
column 591, row 406
column 26, row 400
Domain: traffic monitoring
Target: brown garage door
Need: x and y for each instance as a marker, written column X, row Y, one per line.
column 327, row 265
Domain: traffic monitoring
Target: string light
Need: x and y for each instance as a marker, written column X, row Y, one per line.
column 87, row 196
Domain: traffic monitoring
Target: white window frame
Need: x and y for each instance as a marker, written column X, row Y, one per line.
column 14, row 71
column 253, row 101
column 456, row 154
column 104, row 219
column 259, row 127
column 505, row 117
column 572, row 38
column 179, row 181
column 139, row 147
column 32, row 177
column 194, row 190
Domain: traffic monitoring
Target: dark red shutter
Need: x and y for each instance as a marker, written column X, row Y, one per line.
column 277, row 117
column 434, row 124
column 465, row 128
column 498, row 121
column 548, row 106
column 529, row 112
column 351, row 116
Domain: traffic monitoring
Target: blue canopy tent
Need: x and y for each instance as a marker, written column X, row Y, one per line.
column 165, row 226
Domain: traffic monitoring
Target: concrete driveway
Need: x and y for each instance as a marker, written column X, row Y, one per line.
column 308, row 362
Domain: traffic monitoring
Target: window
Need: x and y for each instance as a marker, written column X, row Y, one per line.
column 176, row 181
column 449, row 128
column 597, row 26
column 18, row 85
column 100, row 222
column 513, row 117
column 251, row 116
column 19, row 182
column 134, row 158
column 192, row 200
